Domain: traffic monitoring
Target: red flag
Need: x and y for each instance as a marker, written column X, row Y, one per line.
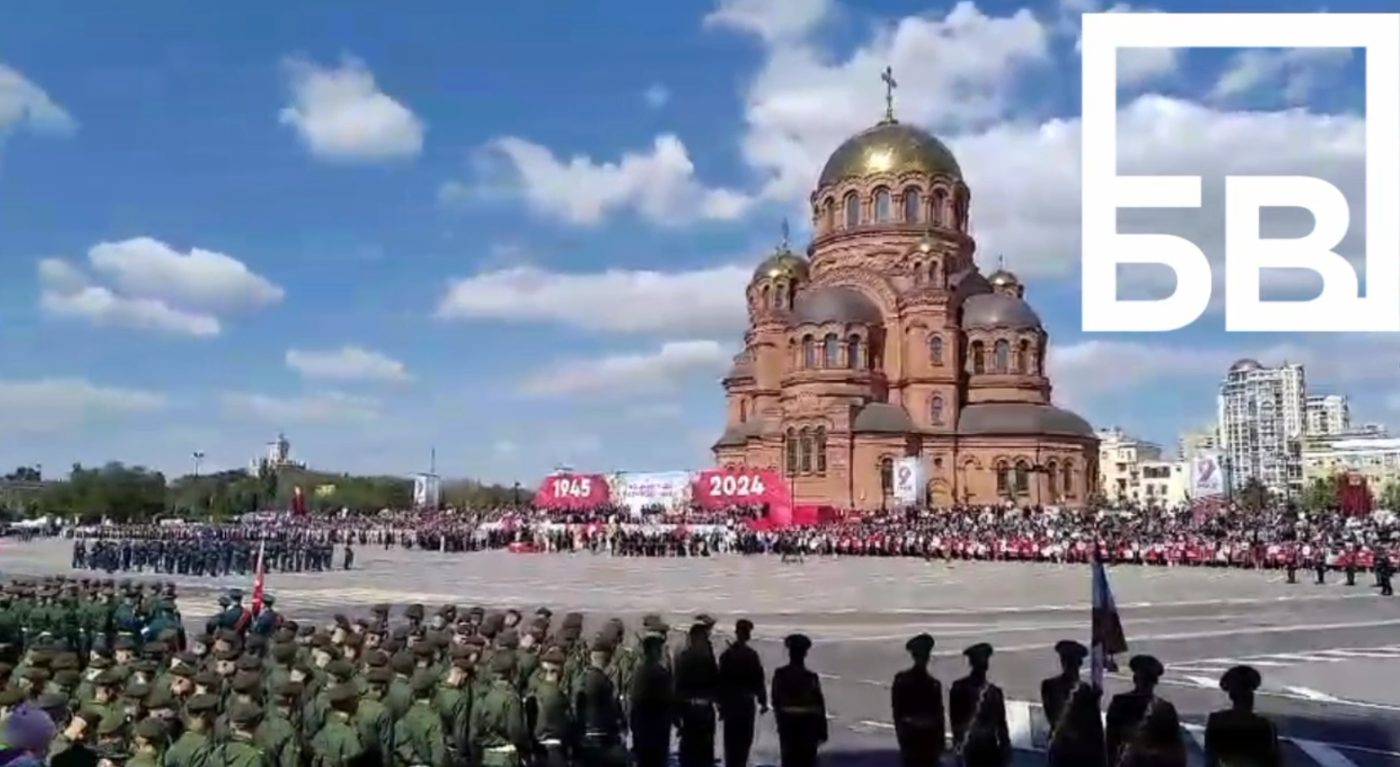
column 298, row 502
column 1106, row 637
column 258, row 578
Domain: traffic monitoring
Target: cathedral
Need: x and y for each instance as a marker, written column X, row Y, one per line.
column 886, row 341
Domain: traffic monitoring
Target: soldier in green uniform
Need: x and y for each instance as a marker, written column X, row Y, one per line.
column 418, row 734
column 598, row 710
column 498, row 734
column 400, row 694
column 150, row 737
column 75, row 746
column 652, row 705
column 372, row 719
column 189, row 749
column 337, row 743
column 1237, row 735
column 453, row 703
column 547, row 711
column 240, row 748
column 104, row 693
column 112, row 744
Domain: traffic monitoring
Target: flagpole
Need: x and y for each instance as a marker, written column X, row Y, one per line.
column 259, row 579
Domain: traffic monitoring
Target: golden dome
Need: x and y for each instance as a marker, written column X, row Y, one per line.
column 1002, row 278
column 783, row 263
column 889, row 147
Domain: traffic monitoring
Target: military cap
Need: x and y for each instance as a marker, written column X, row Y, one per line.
column 463, row 662
column 797, row 642
column 1241, row 679
column 151, row 729
column 160, row 697
column 379, row 675
column 512, row 611
column 650, row 619
column 340, row 620
column 11, row 696
column 413, row 611
column 424, row 681
column 706, row 620
column 111, row 724
column 246, row 682
column 1146, row 666
column 269, row 600
column 653, row 640
column 108, row 678
column 380, row 609
column 742, row 625
column 919, row 644
column 224, row 601
column 289, row 690
column 570, row 632
column 306, row 631
column 979, row 651
column 554, row 655
column 227, row 655
column 340, row 669
column 544, row 612
column 403, row 664
column 423, row 649
column 52, row 700
column 202, row 703
column 64, row 661
column 100, row 662
column 284, row 634
column 136, row 691
column 68, row 678
column 503, row 662
column 341, row 695
column 322, row 642
column 375, row 658
column 183, row 670
column 602, row 643
column 208, row 678
column 145, row 666
column 124, row 643
column 1070, row 649
column 245, row 714
column 248, row 663
column 508, row 639
column 283, row 652
column 235, row 594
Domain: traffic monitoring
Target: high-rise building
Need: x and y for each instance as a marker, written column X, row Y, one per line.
column 1121, row 458
column 1262, row 415
column 1192, row 443
column 1327, row 414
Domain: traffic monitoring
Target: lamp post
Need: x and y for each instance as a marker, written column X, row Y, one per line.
column 516, row 490
column 198, row 456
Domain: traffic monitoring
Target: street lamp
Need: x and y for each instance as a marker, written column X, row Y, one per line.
column 516, row 490
column 198, row 456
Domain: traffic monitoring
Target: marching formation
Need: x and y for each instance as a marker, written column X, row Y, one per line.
column 99, row 672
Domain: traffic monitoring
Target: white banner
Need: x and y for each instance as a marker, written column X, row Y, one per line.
column 909, row 480
column 427, row 491
column 636, row 491
column 1207, row 475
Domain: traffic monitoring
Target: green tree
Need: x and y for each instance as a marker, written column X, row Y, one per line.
column 1253, row 496
column 1320, row 494
column 1390, row 496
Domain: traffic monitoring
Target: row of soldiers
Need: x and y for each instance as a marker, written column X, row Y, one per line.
column 207, row 555
column 83, row 613
column 471, row 687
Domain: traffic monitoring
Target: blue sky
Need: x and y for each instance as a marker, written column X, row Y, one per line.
column 522, row 237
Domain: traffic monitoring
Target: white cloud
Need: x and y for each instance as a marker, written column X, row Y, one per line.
column 659, row 184
column 662, row 369
column 1136, row 66
column 200, row 279
column 50, row 405
column 1300, row 71
column 324, row 407
column 1077, row 369
column 151, row 286
column 771, row 19
column 348, row 363
column 340, row 114
column 656, row 95
column 617, row 300
column 953, row 71
column 24, row 104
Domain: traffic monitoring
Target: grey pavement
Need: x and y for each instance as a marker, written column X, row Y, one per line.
column 1330, row 654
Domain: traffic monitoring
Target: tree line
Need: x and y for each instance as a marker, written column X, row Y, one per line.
column 125, row 493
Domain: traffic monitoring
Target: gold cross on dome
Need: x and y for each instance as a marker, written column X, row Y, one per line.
column 887, row 77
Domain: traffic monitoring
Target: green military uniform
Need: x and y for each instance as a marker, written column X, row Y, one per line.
column 151, row 736
column 454, row 706
column 372, row 719
column 498, row 734
column 189, row 749
column 336, row 743
column 418, row 735
column 239, row 749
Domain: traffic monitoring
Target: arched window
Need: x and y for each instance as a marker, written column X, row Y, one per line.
column 882, row 205
column 743, row 411
column 940, row 207
column 886, row 475
column 1003, row 478
column 831, row 351
column 1018, row 358
column 1026, row 358
column 935, row 410
column 913, row 206
column 1052, row 473
column 935, row 349
column 852, row 210
column 829, row 214
column 979, row 357
column 854, row 354
column 809, row 352
column 1023, row 478
column 805, row 451
column 821, row 450
column 765, row 297
column 1000, row 352
column 791, row 451
column 1067, row 479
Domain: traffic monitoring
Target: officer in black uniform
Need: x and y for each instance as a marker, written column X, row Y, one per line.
column 697, row 683
column 1237, row 735
column 977, row 713
column 742, row 689
column 1385, row 569
column 799, row 708
column 916, row 702
column 1055, row 691
column 1127, row 710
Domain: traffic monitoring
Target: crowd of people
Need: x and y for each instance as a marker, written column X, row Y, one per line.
column 97, row 672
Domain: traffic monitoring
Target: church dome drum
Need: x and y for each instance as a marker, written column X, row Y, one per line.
column 835, row 304
column 998, row 310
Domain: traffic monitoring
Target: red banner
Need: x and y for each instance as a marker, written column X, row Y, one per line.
column 572, row 491
column 717, row 488
column 298, row 502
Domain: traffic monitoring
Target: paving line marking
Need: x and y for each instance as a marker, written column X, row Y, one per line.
column 880, row 725
column 1303, row 657
column 1391, row 655
column 1201, row 681
column 1323, row 754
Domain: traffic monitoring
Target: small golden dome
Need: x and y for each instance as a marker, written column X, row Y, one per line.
column 1002, row 278
column 889, row 147
column 783, row 263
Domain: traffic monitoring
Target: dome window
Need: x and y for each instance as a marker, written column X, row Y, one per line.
column 831, row 351
column 913, row 206
column 1001, row 353
column 883, row 211
column 852, row 211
